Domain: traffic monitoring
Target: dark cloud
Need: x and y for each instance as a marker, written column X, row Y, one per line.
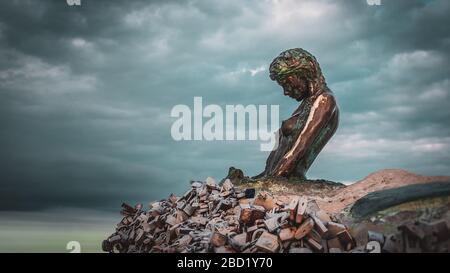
column 87, row 91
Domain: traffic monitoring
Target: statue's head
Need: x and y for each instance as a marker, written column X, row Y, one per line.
column 298, row 72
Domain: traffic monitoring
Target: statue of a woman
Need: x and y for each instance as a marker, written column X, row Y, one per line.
column 305, row 133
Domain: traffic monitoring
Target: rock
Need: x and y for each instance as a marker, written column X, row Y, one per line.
column 236, row 176
column 379, row 200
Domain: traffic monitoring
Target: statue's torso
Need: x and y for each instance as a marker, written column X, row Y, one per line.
column 293, row 125
column 291, row 129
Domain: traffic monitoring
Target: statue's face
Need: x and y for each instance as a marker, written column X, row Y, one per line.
column 294, row 87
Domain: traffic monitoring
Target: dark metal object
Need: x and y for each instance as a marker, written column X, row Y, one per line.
column 250, row 193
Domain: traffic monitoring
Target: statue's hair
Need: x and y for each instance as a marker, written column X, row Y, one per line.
column 296, row 61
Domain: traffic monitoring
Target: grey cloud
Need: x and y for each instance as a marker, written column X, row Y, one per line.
column 87, row 92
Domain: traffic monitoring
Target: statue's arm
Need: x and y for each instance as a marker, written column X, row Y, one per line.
column 321, row 111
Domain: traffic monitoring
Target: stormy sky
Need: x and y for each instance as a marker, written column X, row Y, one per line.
column 86, row 92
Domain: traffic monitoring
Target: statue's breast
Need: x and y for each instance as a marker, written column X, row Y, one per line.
column 294, row 125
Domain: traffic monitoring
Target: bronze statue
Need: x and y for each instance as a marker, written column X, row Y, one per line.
column 305, row 133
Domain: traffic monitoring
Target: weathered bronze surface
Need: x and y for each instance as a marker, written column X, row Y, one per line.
column 303, row 135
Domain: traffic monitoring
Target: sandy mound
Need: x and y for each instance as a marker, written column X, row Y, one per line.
column 380, row 180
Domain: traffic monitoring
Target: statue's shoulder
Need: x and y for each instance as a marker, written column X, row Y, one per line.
column 326, row 98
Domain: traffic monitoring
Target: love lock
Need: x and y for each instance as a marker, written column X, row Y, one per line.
column 373, row 247
column 257, row 233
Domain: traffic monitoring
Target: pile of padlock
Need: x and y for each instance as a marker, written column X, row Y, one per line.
column 226, row 219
